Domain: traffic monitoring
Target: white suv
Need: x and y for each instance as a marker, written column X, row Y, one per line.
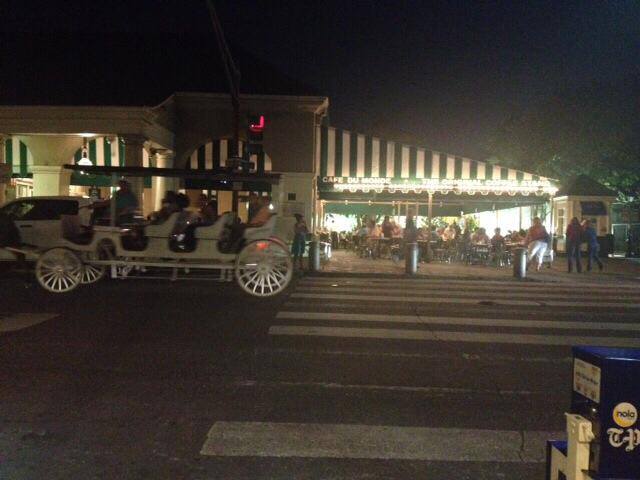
column 38, row 219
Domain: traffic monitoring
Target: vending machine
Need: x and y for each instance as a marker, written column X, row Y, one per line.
column 603, row 431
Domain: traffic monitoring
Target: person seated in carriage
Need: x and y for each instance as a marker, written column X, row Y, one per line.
column 169, row 206
column 260, row 218
column 126, row 205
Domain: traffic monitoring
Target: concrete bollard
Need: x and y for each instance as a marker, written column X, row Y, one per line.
column 314, row 256
column 520, row 262
column 411, row 258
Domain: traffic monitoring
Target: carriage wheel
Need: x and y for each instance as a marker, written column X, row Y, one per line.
column 264, row 268
column 94, row 273
column 59, row 270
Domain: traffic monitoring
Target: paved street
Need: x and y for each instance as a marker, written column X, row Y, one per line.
column 345, row 377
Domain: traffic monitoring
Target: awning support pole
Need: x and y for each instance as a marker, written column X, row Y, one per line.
column 430, row 208
column 112, row 206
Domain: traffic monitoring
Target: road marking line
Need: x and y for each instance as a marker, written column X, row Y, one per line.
column 485, row 322
column 476, row 282
column 393, row 388
column 428, row 356
column 293, row 304
column 472, row 292
column 438, row 336
column 18, row 321
column 267, row 439
column 418, row 299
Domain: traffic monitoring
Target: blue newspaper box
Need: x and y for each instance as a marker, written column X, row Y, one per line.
column 606, row 391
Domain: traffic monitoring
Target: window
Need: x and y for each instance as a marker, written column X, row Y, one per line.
column 561, row 222
column 18, row 210
column 291, row 197
column 52, row 209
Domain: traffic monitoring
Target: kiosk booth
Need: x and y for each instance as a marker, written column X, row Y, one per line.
column 603, row 432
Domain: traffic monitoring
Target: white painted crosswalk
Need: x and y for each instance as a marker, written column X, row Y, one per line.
column 316, row 309
column 366, row 323
column 268, row 439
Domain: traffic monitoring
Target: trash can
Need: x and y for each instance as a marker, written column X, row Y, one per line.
column 520, row 262
column 411, row 258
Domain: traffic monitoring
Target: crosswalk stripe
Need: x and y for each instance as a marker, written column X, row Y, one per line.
column 483, row 293
column 18, row 321
column 472, row 282
column 440, row 336
column 268, row 439
column 469, row 321
column 476, row 286
column 425, row 391
column 418, row 299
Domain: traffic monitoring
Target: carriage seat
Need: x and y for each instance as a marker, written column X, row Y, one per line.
column 265, row 231
column 164, row 229
column 214, row 232
column 73, row 231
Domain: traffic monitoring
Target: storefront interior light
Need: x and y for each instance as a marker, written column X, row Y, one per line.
column 445, row 186
column 84, row 159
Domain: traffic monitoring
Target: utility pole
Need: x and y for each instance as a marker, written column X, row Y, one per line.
column 232, row 74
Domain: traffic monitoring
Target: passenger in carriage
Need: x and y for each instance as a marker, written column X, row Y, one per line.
column 260, row 218
column 126, row 205
column 169, row 206
column 254, row 205
column 182, row 238
column 209, row 212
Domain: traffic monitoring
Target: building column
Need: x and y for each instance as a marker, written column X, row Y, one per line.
column 50, row 153
column 133, row 145
column 50, row 180
column 160, row 185
column 5, row 171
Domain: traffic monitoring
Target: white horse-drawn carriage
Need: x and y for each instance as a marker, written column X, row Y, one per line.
column 259, row 261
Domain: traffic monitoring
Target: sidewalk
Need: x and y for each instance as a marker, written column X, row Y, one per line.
column 616, row 270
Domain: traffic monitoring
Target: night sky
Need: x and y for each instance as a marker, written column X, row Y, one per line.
column 439, row 74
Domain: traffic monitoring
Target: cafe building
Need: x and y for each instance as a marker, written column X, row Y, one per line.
column 361, row 174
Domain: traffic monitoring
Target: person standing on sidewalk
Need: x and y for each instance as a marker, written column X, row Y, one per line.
column 300, row 231
column 574, row 238
column 593, row 247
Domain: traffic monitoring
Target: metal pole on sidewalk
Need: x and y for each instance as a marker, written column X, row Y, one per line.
column 411, row 258
column 520, row 262
column 314, row 255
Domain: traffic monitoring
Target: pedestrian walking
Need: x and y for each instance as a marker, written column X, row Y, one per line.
column 573, row 239
column 300, row 231
column 537, row 241
column 593, row 247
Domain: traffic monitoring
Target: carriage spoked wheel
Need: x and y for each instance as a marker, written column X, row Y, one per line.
column 94, row 273
column 59, row 270
column 264, row 268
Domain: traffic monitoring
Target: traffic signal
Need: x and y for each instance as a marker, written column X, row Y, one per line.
column 256, row 125
column 254, row 151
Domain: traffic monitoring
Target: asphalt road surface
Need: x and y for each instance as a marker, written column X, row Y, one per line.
column 341, row 378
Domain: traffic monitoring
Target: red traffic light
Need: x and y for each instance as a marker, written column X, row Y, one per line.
column 256, row 124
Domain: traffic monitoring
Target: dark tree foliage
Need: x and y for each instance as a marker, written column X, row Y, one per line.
column 595, row 132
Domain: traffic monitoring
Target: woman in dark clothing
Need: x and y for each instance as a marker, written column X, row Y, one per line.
column 593, row 247
column 300, row 231
column 574, row 237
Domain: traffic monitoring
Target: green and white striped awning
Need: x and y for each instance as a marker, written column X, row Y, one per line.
column 213, row 155
column 18, row 156
column 101, row 151
column 354, row 162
